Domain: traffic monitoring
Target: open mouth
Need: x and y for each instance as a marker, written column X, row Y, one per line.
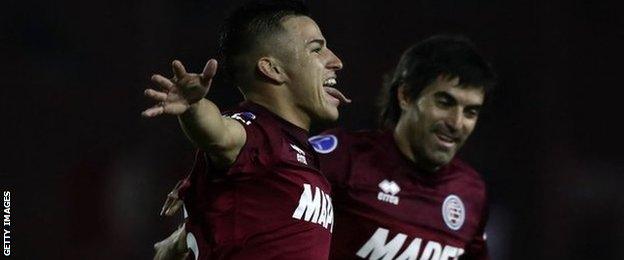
column 330, row 82
column 446, row 141
column 333, row 95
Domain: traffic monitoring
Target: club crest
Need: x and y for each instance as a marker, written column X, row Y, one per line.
column 453, row 212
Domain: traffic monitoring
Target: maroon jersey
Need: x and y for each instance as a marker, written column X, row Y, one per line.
column 272, row 203
column 388, row 209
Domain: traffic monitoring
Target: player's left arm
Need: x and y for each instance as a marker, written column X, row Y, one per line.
column 173, row 247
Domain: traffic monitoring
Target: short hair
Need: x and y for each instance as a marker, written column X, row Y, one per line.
column 249, row 25
column 421, row 64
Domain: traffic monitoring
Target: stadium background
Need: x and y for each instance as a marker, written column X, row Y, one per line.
column 88, row 175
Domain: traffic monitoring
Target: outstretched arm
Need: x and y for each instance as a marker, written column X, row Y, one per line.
column 200, row 118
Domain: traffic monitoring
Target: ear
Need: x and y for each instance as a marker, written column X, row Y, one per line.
column 403, row 97
column 270, row 68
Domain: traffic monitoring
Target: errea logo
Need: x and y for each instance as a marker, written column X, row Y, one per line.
column 388, row 192
column 300, row 154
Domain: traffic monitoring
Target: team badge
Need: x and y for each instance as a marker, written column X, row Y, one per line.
column 244, row 117
column 453, row 212
column 324, row 143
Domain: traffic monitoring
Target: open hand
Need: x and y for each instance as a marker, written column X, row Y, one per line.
column 180, row 92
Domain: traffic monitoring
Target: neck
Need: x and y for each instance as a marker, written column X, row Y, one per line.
column 281, row 106
column 401, row 136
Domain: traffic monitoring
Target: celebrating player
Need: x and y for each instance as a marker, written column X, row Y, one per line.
column 400, row 193
column 256, row 180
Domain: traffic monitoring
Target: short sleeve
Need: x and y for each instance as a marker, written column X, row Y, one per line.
column 252, row 157
column 256, row 153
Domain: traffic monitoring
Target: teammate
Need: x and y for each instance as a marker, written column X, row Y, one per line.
column 252, row 188
column 400, row 193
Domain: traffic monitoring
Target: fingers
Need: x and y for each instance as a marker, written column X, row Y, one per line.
column 156, row 95
column 167, row 205
column 173, row 202
column 174, row 208
column 158, row 109
column 172, row 205
column 209, row 72
column 154, row 111
column 162, row 81
column 178, row 69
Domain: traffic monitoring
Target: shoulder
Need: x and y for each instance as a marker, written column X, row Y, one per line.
column 338, row 139
column 244, row 117
column 263, row 138
column 466, row 174
column 256, row 125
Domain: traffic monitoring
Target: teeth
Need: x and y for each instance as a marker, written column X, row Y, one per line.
column 329, row 82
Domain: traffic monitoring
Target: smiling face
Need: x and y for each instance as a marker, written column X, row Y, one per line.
column 434, row 127
column 311, row 69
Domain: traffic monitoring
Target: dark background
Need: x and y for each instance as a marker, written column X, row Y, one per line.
column 88, row 175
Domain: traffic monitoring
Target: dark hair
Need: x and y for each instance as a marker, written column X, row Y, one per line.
column 422, row 63
column 247, row 25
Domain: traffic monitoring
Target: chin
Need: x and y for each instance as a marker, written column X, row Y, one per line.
column 440, row 158
column 328, row 114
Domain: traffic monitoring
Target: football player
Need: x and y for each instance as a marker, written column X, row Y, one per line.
column 254, row 188
column 400, row 193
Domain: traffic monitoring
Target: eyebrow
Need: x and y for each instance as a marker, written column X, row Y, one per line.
column 444, row 94
column 319, row 41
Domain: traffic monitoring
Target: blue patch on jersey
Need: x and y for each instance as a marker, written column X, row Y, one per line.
column 324, row 143
column 244, row 117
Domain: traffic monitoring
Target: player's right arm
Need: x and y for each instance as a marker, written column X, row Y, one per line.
column 201, row 119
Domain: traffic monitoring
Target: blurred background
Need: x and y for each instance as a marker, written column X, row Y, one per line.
column 88, row 175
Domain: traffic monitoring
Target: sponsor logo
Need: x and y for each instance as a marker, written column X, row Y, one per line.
column 388, row 192
column 324, row 143
column 315, row 207
column 244, row 117
column 378, row 247
column 453, row 212
column 300, row 154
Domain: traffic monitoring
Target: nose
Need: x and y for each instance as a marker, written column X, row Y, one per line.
column 454, row 119
column 334, row 62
